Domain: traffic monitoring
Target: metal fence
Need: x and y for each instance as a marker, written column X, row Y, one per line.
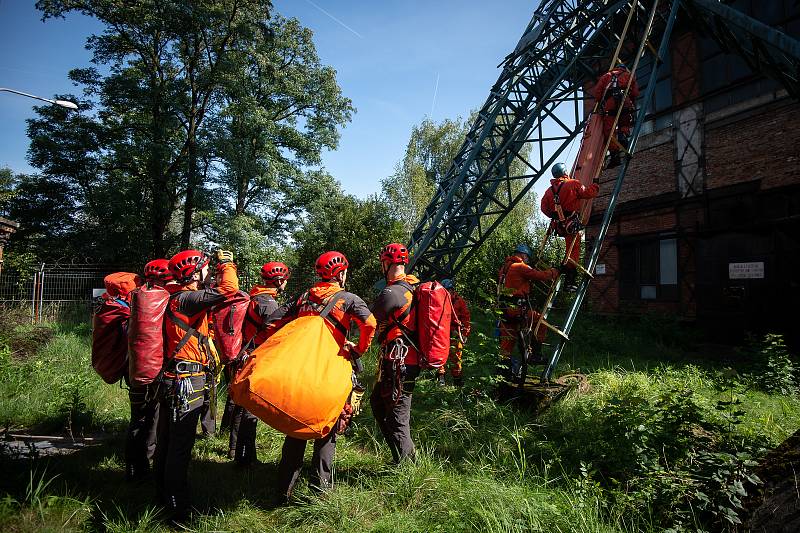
column 51, row 291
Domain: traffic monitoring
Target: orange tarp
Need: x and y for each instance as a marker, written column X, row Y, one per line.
column 296, row 381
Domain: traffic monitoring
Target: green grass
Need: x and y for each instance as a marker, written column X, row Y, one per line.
column 621, row 457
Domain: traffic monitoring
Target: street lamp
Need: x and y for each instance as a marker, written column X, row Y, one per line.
column 63, row 103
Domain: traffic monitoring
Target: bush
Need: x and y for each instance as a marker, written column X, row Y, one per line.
column 775, row 371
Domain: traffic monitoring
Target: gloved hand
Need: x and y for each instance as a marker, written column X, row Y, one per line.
column 224, row 256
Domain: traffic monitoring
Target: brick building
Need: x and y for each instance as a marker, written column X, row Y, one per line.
column 708, row 223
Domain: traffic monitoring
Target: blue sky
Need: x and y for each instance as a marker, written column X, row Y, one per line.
column 388, row 56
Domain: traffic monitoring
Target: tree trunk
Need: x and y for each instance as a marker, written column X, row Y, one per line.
column 191, row 190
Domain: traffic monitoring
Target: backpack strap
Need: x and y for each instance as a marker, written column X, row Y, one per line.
column 325, row 308
column 557, row 201
column 410, row 336
column 191, row 331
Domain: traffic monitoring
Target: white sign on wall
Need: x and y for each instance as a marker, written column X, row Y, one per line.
column 600, row 268
column 746, row 270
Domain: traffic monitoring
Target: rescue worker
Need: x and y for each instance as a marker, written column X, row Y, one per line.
column 562, row 203
column 514, row 280
column 189, row 368
column 609, row 93
column 274, row 277
column 460, row 325
column 140, row 441
column 331, row 268
column 398, row 367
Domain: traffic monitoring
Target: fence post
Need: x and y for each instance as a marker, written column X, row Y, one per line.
column 41, row 294
column 34, row 285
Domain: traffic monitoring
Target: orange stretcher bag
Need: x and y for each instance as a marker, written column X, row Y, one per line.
column 296, row 381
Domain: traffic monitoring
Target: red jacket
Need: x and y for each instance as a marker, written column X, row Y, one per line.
column 516, row 276
column 623, row 75
column 570, row 192
column 461, row 314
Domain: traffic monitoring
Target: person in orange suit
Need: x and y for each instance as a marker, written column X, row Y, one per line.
column 514, row 279
column 562, row 203
column 189, row 366
column 609, row 93
column 460, row 325
column 348, row 310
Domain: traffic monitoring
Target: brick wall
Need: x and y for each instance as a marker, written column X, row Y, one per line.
column 755, row 146
column 650, row 173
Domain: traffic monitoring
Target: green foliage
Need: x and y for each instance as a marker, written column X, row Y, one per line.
column 429, row 154
column 357, row 228
column 658, row 443
column 202, row 114
column 775, row 371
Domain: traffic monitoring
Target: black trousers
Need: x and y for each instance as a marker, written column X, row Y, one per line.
column 292, row 462
column 177, row 430
column 242, row 443
column 394, row 420
column 140, row 442
column 227, row 415
column 208, row 423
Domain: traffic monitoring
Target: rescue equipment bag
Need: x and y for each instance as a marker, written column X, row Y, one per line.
column 109, row 339
column 296, row 381
column 146, row 334
column 434, row 310
column 228, row 319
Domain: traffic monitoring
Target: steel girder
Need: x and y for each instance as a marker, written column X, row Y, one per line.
column 533, row 112
column 765, row 49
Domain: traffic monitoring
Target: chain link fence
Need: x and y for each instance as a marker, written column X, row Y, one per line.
column 52, row 292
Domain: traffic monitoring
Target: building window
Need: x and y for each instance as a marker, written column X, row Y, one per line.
column 649, row 270
column 661, row 100
column 726, row 78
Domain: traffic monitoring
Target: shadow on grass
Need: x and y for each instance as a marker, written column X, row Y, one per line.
column 97, row 473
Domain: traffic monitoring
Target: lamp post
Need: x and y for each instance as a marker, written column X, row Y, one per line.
column 63, row 103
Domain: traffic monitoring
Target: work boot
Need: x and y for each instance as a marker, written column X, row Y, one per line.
column 440, row 380
column 458, row 381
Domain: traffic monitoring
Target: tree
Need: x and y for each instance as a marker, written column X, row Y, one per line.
column 429, row 154
column 281, row 109
column 197, row 102
column 357, row 228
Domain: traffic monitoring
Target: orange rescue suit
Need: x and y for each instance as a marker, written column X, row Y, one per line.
column 609, row 104
column 516, row 276
column 570, row 195
column 228, row 283
column 339, row 319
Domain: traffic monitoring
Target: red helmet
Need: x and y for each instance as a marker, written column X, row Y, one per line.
column 158, row 269
column 184, row 264
column 275, row 272
column 330, row 264
column 394, row 254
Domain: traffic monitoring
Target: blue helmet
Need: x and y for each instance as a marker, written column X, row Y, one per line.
column 523, row 249
column 558, row 170
column 620, row 64
column 447, row 284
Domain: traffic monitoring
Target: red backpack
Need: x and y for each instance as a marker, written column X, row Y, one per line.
column 228, row 318
column 146, row 334
column 434, row 310
column 109, row 341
